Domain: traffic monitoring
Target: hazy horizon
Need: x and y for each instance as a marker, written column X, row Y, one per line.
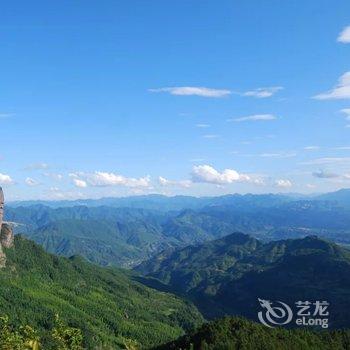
column 288, row 194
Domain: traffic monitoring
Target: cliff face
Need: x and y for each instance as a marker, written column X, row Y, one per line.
column 6, row 233
column 1, row 206
column 6, row 236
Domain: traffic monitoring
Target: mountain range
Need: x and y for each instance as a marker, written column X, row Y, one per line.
column 227, row 276
column 189, row 265
column 168, row 203
column 125, row 236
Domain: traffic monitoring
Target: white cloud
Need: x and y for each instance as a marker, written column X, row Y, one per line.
column 321, row 174
column 37, row 166
column 255, row 117
column 328, row 160
column 211, row 136
column 346, row 111
column 31, row 182
column 344, row 36
column 330, row 175
column 202, row 125
column 310, row 186
column 102, row 179
column 80, row 183
column 342, row 148
column 164, row 182
column 282, row 183
column 193, row 91
column 182, row 183
column 6, row 179
column 54, row 176
column 340, row 91
column 263, row 92
column 311, row 148
column 207, row 174
column 278, row 155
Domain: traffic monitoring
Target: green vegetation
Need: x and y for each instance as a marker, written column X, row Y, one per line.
column 227, row 276
column 97, row 241
column 240, row 334
column 109, row 307
column 227, row 333
column 61, row 337
column 103, row 235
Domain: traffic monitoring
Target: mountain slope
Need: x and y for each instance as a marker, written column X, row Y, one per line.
column 108, row 305
column 103, row 235
column 227, row 276
column 197, row 267
column 101, row 242
column 240, row 334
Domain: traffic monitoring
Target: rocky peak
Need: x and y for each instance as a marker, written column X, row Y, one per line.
column 6, row 233
column 1, row 206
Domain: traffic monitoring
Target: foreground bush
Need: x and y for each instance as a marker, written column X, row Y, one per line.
column 61, row 337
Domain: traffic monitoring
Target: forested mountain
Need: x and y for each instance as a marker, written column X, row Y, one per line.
column 109, row 235
column 103, row 235
column 228, row 275
column 241, row 334
column 191, row 253
column 107, row 305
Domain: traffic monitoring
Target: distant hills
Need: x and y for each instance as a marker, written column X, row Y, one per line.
column 109, row 306
column 228, row 275
column 126, row 236
column 151, row 202
column 177, row 203
column 341, row 197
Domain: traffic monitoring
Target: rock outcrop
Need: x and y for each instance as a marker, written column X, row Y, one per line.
column 1, row 206
column 6, row 233
column 6, row 236
column 2, row 258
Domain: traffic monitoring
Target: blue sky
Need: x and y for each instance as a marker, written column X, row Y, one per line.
column 113, row 98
